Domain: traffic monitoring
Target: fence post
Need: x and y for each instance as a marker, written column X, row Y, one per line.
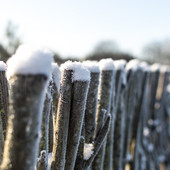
column 28, row 72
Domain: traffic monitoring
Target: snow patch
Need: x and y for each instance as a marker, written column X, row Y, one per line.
column 120, row 64
column 2, row 66
column 155, row 67
column 93, row 66
column 88, row 150
column 106, row 64
column 133, row 65
column 80, row 72
column 30, row 60
column 49, row 160
column 56, row 74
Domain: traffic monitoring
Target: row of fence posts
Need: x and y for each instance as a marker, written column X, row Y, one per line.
column 107, row 115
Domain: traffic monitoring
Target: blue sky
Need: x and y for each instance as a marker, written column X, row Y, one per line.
column 74, row 27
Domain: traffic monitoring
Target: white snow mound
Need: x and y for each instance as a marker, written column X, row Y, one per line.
column 80, row 72
column 30, row 60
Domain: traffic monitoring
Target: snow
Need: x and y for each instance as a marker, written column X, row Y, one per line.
column 150, row 147
column 168, row 88
column 128, row 157
column 165, row 68
column 2, row 66
column 155, row 67
column 30, row 60
column 80, row 72
column 93, row 66
column 120, row 64
column 49, row 160
column 88, row 150
column 133, row 65
column 146, row 131
column 106, row 64
column 56, row 75
column 144, row 66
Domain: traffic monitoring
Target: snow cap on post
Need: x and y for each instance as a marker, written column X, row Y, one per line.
column 92, row 66
column 120, row 64
column 133, row 65
column 2, row 66
column 80, row 72
column 155, row 67
column 56, row 73
column 106, row 64
column 30, row 60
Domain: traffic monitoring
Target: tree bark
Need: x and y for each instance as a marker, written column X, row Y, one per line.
column 104, row 104
column 79, row 97
column 24, row 122
column 62, row 122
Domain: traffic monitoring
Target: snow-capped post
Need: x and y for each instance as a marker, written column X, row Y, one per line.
column 91, row 105
column 119, row 109
column 28, row 72
column 3, row 97
column 44, row 142
column 130, row 104
column 81, row 80
column 62, row 119
column 104, row 105
column 108, row 163
column 139, row 152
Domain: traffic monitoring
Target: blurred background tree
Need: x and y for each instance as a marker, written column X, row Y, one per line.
column 158, row 51
column 108, row 49
column 11, row 41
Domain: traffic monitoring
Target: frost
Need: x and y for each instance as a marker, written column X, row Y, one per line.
column 2, row 66
column 93, row 66
column 106, row 64
column 30, row 60
column 56, row 75
column 49, row 160
column 80, row 72
column 88, row 150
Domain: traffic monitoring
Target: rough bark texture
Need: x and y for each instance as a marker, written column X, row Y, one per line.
column 24, row 122
column 79, row 159
column 91, row 106
column 108, row 163
column 4, row 101
column 104, row 104
column 1, row 140
column 119, row 120
column 79, row 97
column 44, row 143
column 42, row 161
column 62, row 122
column 98, row 143
column 51, row 131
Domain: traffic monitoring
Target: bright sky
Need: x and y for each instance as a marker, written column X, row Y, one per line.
column 74, row 27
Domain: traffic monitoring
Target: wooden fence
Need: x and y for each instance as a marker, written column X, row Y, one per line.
column 107, row 115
